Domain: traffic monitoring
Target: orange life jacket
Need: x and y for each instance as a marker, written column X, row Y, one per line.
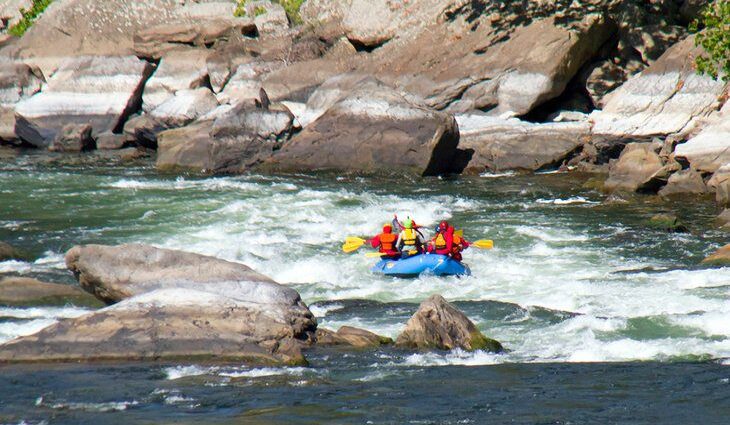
column 439, row 241
column 387, row 242
column 457, row 240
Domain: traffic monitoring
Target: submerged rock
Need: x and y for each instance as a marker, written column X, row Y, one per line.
column 350, row 336
column 7, row 252
column 26, row 292
column 667, row 222
column 167, row 324
column 439, row 325
column 373, row 129
column 721, row 257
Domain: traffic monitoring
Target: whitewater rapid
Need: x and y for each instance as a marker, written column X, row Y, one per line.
column 612, row 290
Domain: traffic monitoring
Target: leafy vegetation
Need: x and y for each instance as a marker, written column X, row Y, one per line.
column 28, row 17
column 291, row 7
column 714, row 20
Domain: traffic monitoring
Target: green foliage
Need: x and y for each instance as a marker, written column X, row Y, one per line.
column 291, row 7
column 714, row 39
column 28, row 17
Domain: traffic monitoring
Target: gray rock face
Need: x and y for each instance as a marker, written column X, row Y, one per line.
column 166, row 324
column 666, row 98
column 439, row 325
column 178, row 70
column 245, row 83
column 511, row 144
column 710, row 148
column 720, row 183
column 17, row 81
column 374, row 129
column 100, row 91
column 236, row 139
column 73, row 138
column 110, row 141
column 26, row 292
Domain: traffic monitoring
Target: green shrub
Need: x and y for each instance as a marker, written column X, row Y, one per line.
column 291, row 7
column 714, row 39
column 240, row 11
column 28, row 17
column 259, row 10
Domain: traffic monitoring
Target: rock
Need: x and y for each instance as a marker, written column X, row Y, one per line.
column 720, row 184
column 723, row 220
column 110, row 141
column 17, row 81
column 636, row 169
column 156, row 40
column 710, row 148
column 178, row 70
column 299, row 80
column 374, row 128
column 100, row 91
column 684, row 182
column 206, row 10
column 439, row 325
column 168, row 324
column 652, row 41
column 270, row 18
column 237, row 139
column 666, row 98
column 143, row 130
column 721, row 257
column 668, row 223
column 347, row 335
column 89, row 27
column 26, row 292
column 245, row 84
column 7, row 252
column 512, row 144
column 73, row 138
column 10, row 10
column 185, row 107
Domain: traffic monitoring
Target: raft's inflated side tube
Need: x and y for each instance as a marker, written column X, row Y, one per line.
column 439, row 265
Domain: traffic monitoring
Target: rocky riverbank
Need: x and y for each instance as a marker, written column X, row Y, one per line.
column 427, row 87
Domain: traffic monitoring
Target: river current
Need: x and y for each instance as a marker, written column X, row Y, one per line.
column 605, row 319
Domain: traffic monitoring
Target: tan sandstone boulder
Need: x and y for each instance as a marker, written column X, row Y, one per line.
column 26, row 292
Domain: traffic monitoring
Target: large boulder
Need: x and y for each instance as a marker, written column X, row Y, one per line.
column 710, row 148
column 178, row 70
column 26, row 292
column 236, row 139
column 684, row 182
column 512, row 144
column 17, row 81
column 638, row 169
column 439, row 325
column 720, row 183
column 245, row 83
column 73, row 138
column 350, row 336
column 96, row 90
column 666, row 98
column 168, row 324
column 721, row 257
column 374, row 128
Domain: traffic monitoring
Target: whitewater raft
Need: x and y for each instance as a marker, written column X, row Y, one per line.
column 434, row 264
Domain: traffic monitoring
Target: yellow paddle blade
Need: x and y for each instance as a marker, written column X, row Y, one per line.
column 374, row 254
column 354, row 240
column 483, row 244
column 349, row 247
column 459, row 233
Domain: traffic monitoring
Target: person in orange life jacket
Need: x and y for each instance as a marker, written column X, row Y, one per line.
column 458, row 244
column 409, row 239
column 441, row 242
column 386, row 242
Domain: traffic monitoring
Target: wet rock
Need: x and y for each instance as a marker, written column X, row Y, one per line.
column 710, row 148
column 73, row 138
column 684, row 182
column 26, row 292
column 178, row 70
column 350, row 336
column 168, row 324
column 720, row 183
column 666, row 98
column 721, row 257
column 100, row 91
column 110, row 141
column 668, row 223
column 639, row 168
column 439, row 325
column 374, row 129
column 723, row 220
column 512, row 144
column 237, row 139
column 7, row 252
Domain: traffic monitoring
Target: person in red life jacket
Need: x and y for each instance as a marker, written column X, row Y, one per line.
column 442, row 242
column 458, row 245
column 385, row 242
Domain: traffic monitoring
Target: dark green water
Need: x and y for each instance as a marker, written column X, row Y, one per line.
column 606, row 319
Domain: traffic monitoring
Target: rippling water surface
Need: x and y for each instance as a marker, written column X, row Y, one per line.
column 578, row 291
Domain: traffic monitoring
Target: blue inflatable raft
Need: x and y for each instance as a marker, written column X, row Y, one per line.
column 439, row 265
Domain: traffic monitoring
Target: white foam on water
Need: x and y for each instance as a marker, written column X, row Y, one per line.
column 14, row 266
column 322, row 310
column 112, row 406
column 568, row 201
column 178, row 372
column 497, row 175
column 265, row 371
column 455, row 357
column 32, row 320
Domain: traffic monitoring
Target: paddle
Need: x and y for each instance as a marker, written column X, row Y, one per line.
column 375, row 254
column 352, row 244
column 483, row 244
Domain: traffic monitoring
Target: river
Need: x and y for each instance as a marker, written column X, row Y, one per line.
column 605, row 319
